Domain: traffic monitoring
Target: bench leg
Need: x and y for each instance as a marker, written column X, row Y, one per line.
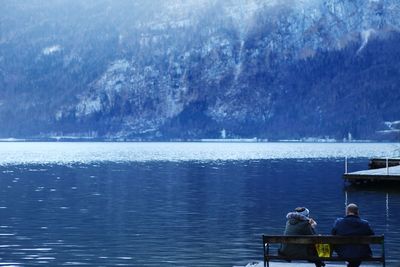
column 266, row 261
column 383, row 254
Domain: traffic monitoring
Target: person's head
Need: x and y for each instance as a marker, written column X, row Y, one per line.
column 352, row 209
column 302, row 210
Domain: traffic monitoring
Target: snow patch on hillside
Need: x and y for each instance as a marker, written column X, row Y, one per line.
column 51, row 50
column 115, row 76
column 88, row 106
column 365, row 36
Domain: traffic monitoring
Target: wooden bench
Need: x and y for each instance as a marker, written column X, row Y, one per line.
column 321, row 239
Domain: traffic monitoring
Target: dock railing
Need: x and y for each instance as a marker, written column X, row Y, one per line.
column 380, row 169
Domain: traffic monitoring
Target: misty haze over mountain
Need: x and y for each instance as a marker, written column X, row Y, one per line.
column 176, row 69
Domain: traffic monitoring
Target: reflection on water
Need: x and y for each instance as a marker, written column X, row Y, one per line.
column 85, row 153
column 387, row 206
column 346, row 202
column 163, row 213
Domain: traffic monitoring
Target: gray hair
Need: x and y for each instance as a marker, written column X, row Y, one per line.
column 352, row 208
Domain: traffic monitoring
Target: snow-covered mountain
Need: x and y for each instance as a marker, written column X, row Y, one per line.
column 191, row 68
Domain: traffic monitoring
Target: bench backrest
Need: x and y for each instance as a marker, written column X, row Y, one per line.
column 319, row 239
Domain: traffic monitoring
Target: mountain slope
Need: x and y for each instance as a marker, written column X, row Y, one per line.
column 188, row 69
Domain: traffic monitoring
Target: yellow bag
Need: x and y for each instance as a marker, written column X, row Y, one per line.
column 323, row 250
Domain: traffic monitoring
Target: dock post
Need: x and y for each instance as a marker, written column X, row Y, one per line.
column 345, row 165
column 387, row 166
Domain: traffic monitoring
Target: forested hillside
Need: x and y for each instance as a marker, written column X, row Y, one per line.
column 174, row 69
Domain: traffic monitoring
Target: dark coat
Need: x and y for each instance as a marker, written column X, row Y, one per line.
column 297, row 225
column 352, row 225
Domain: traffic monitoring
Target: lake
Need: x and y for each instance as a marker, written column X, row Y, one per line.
column 176, row 204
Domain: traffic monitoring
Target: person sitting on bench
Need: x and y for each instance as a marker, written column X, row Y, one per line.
column 352, row 225
column 299, row 223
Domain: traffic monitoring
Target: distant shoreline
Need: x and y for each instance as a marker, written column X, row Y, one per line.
column 205, row 140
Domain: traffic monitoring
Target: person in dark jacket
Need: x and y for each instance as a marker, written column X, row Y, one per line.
column 299, row 223
column 352, row 225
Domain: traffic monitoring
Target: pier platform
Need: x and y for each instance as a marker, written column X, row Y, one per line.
column 374, row 175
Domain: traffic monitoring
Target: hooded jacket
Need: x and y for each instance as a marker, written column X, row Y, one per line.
column 297, row 224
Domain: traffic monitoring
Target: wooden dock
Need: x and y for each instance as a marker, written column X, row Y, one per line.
column 374, row 175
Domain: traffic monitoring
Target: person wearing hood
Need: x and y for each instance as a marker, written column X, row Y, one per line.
column 299, row 223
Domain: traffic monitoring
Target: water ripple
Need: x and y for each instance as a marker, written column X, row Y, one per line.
column 164, row 213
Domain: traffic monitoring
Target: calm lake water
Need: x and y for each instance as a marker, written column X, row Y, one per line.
column 175, row 204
